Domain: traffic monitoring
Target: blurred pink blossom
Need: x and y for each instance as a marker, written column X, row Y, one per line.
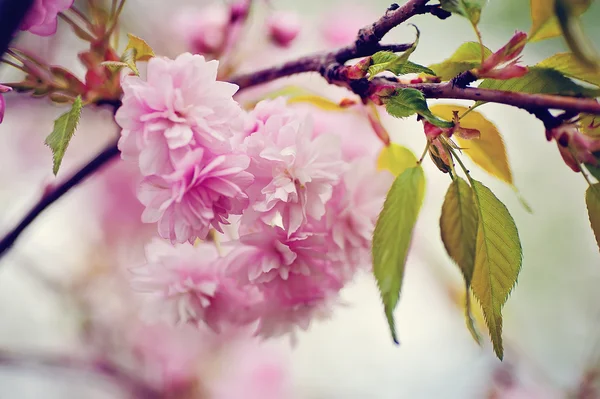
column 340, row 26
column 42, row 17
column 201, row 193
column 180, row 106
column 284, row 27
column 352, row 212
column 294, row 173
column 187, row 284
column 203, row 30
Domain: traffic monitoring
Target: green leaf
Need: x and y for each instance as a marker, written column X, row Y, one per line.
column 569, row 65
column 540, row 80
column 388, row 61
column 470, row 9
column 458, row 226
column 397, row 64
column 128, row 58
column 567, row 12
column 396, row 159
column 407, row 102
column 64, row 128
column 498, row 259
column 392, row 237
column 592, row 199
column 466, row 57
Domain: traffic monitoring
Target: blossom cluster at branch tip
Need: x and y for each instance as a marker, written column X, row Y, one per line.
column 41, row 18
column 503, row 63
column 305, row 211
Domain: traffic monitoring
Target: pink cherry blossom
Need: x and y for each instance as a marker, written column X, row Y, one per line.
column 503, row 63
column 294, row 274
column 295, row 302
column 294, row 172
column 340, row 25
column 284, row 27
column 574, row 146
column 202, row 192
column 41, row 18
column 187, row 284
column 203, row 30
column 268, row 253
column 179, row 107
column 352, row 212
column 3, row 89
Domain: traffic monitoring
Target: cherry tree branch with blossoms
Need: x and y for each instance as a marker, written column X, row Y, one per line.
column 296, row 213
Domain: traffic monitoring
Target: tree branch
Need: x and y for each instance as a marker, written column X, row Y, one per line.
column 93, row 166
column 135, row 386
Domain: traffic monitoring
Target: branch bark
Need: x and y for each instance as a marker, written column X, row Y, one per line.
column 46, row 201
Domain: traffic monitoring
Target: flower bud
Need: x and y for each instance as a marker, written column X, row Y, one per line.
column 283, row 27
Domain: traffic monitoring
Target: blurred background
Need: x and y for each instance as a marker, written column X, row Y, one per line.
column 63, row 300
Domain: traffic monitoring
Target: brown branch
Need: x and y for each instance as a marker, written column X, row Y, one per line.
column 136, row 387
column 521, row 100
column 93, row 166
column 394, row 16
column 330, row 64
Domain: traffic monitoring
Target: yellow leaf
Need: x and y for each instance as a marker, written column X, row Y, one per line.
column 143, row 52
column 488, row 151
column 592, row 200
column 396, row 159
column 545, row 25
column 296, row 94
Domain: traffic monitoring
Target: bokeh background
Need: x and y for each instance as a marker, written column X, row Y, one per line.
column 552, row 319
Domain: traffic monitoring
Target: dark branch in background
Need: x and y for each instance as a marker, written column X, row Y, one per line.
column 12, row 13
column 93, row 166
column 137, row 388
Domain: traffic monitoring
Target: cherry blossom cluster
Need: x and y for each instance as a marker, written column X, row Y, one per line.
column 264, row 219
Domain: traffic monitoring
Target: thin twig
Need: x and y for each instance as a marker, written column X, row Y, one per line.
column 93, row 166
column 138, row 388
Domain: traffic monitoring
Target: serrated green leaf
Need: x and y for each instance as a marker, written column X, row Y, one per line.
column 407, row 102
column 568, row 65
column 114, row 66
column 458, row 226
column 470, row 9
column 466, row 57
column 592, row 200
column 540, row 80
column 64, row 129
column 498, row 259
column 143, row 51
column 396, row 159
column 392, row 237
column 128, row 58
column 397, row 64
column 488, row 151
